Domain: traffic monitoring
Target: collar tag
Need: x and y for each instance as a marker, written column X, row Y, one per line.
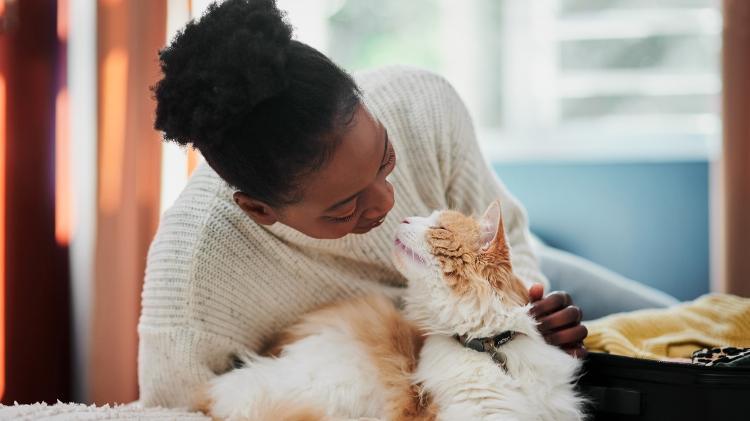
column 503, row 338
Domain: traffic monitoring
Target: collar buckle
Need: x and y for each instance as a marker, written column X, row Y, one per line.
column 490, row 345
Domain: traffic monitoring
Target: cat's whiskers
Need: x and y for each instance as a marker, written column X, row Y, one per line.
column 410, row 252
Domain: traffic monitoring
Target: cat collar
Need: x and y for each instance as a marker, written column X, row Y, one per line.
column 490, row 345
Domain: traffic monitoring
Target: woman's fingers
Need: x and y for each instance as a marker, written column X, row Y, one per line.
column 570, row 335
column 559, row 321
column 568, row 316
column 550, row 304
column 536, row 292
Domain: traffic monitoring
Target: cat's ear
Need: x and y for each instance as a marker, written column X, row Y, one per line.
column 492, row 231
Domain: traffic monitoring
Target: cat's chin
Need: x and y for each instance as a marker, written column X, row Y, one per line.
column 403, row 250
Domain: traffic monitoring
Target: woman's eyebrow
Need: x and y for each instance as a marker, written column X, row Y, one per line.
column 343, row 202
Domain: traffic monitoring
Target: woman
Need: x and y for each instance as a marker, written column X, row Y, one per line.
column 301, row 194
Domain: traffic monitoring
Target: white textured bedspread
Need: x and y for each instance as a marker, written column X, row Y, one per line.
column 77, row 411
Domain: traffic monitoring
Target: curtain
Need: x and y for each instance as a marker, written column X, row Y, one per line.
column 736, row 152
column 130, row 33
column 35, row 344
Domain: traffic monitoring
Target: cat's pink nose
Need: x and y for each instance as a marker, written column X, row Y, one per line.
column 405, row 221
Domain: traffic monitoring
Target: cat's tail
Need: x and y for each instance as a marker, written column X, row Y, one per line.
column 294, row 411
column 232, row 397
column 288, row 411
column 267, row 410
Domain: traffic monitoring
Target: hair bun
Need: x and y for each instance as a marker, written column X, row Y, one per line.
column 219, row 68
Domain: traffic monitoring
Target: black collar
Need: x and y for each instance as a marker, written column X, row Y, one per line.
column 490, row 345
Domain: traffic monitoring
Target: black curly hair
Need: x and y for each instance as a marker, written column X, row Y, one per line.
column 264, row 110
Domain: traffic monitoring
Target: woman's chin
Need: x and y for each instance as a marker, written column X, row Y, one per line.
column 365, row 230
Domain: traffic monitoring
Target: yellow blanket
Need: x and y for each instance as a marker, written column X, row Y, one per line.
column 710, row 321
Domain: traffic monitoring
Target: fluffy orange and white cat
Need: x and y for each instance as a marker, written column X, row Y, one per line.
column 463, row 348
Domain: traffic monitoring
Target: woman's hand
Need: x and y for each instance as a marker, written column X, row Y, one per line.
column 559, row 320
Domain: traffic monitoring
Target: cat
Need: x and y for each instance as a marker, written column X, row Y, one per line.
column 464, row 347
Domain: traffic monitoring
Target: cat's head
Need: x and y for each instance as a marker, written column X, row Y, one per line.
column 460, row 275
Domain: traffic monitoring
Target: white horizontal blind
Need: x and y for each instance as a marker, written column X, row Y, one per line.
column 650, row 66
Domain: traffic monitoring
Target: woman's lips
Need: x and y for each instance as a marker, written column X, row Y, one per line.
column 409, row 252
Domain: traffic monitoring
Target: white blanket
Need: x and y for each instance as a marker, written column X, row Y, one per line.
column 77, row 411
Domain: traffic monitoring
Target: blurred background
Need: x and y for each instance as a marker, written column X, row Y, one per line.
column 623, row 126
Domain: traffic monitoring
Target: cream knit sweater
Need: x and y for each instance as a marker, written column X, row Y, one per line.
column 217, row 282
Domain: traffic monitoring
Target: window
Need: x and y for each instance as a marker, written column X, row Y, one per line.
column 547, row 77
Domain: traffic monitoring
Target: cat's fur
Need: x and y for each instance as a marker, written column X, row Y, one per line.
column 364, row 358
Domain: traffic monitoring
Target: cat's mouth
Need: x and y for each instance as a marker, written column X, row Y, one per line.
column 409, row 252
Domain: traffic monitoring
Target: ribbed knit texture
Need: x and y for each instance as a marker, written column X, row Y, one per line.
column 217, row 282
column 711, row 321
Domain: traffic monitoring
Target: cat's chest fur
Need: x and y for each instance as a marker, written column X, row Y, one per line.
column 536, row 382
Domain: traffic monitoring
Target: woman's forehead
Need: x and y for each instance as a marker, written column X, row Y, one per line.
column 353, row 164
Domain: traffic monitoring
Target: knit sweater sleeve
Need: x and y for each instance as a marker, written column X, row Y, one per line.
column 471, row 185
column 175, row 362
column 177, row 353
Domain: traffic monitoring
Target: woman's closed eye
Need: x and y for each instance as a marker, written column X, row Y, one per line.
column 389, row 161
column 345, row 218
column 341, row 219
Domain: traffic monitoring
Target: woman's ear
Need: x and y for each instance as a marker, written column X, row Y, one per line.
column 258, row 211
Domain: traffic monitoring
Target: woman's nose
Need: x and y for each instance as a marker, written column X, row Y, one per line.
column 381, row 200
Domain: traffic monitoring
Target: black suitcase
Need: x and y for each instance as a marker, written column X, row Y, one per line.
column 624, row 388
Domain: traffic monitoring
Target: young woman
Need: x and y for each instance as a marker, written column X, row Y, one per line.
column 308, row 173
